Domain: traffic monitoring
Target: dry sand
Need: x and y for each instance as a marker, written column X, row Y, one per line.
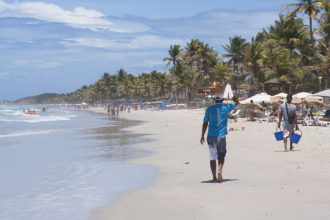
column 261, row 180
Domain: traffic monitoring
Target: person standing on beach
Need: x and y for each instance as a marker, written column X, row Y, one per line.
column 251, row 110
column 288, row 113
column 216, row 119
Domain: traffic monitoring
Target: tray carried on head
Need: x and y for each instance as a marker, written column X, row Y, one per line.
column 212, row 90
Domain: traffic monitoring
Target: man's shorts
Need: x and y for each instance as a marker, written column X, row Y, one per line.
column 217, row 147
column 287, row 132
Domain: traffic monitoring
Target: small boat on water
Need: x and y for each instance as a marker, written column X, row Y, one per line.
column 30, row 112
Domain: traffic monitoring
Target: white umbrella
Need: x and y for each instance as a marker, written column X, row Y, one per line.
column 83, row 103
column 324, row 93
column 278, row 97
column 316, row 99
column 257, row 98
column 300, row 97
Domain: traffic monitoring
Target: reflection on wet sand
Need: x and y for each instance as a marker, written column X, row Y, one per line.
column 118, row 144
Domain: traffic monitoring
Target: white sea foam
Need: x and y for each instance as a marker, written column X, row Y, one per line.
column 24, row 133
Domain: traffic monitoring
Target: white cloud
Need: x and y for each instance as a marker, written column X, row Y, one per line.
column 142, row 42
column 78, row 18
column 148, row 63
column 33, row 22
column 37, row 64
column 3, row 75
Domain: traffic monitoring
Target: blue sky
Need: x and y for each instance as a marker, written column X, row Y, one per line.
column 60, row 45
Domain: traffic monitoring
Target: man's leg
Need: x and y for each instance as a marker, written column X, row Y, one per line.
column 212, row 142
column 221, row 147
column 213, row 165
column 285, row 143
column 291, row 145
column 221, row 162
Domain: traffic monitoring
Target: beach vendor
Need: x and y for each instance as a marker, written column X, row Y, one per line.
column 288, row 118
column 216, row 119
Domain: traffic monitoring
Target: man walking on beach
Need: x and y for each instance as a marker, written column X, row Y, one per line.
column 288, row 113
column 216, row 119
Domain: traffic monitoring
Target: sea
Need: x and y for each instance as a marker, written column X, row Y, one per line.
column 66, row 163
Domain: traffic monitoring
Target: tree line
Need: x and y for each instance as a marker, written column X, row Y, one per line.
column 288, row 49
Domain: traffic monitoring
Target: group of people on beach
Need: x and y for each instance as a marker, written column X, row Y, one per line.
column 115, row 110
column 216, row 120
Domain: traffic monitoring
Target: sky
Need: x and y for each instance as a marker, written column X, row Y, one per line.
column 57, row 46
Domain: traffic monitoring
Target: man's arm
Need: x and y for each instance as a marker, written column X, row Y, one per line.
column 280, row 120
column 295, row 120
column 205, row 124
column 235, row 99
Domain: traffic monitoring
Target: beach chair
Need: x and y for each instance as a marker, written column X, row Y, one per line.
column 233, row 115
column 261, row 116
column 309, row 121
column 324, row 123
column 272, row 119
column 301, row 118
column 242, row 114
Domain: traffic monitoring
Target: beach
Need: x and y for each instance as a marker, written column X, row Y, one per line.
column 261, row 181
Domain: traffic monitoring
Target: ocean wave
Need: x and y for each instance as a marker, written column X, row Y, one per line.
column 25, row 133
column 35, row 119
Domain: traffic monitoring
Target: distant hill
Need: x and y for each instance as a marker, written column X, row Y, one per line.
column 45, row 98
column 4, row 102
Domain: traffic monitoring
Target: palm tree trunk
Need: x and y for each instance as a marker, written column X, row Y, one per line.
column 313, row 48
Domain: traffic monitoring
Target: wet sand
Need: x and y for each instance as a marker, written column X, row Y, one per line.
column 261, row 181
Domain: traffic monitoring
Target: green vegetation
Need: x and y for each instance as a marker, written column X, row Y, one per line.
column 289, row 50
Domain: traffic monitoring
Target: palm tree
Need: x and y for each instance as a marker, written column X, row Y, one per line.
column 208, row 58
column 175, row 53
column 122, row 74
column 159, row 81
column 324, row 21
column 253, row 58
column 235, row 50
column 107, row 83
column 288, row 33
column 325, row 62
column 311, row 9
column 192, row 51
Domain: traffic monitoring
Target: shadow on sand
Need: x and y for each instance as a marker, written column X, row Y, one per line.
column 223, row 181
column 282, row 151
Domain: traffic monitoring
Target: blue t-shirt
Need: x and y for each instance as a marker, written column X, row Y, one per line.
column 217, row 116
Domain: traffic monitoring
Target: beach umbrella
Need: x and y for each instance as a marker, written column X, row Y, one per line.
column 324, row 93
column 278, row 97
column 157, row 102
column 83, row 103
column 314, row 99
column 110, row 104
column 262, row 97
column 300, row 97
